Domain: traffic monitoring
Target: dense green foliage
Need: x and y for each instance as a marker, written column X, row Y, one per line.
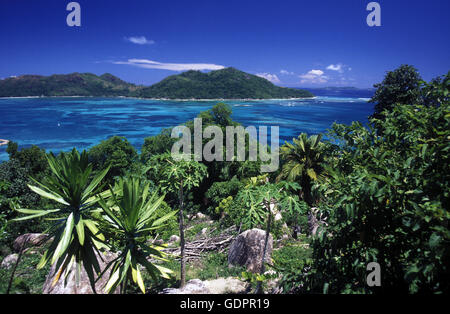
column 115, row 152
column 401, row 86
column 33, row 158
column 215, row 265
column 75, row 84
column 386, row 200
column 171, row 225
column 219, row 192
column 221, row 84
column 405, row 86
column 156, row 145
column 228, row 83
column 291, row 261
column 27, row 279
column 15, row 176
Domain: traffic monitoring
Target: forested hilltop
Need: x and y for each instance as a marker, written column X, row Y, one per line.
column 74, row 84
column 228, row 83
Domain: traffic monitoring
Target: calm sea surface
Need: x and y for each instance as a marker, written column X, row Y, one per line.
column 59, row 124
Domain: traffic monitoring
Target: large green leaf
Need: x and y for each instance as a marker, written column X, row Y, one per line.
column 49, row 195
column 34, row 213
column 65, row 239
column 94, row 183
column 79, row 226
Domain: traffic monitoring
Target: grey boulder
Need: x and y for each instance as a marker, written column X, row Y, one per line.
column 69, row 286
column 247, row 250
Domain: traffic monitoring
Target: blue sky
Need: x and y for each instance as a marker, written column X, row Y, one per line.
column 312, row 43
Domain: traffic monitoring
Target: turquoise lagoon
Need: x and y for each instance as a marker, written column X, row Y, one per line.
column 59, row 124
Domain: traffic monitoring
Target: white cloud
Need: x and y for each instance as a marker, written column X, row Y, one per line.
column 314, row 77
column 149, row 64
column 316, row 72
column 270, row 77
column 339, row 67
column 139, row 40
column 284, row 72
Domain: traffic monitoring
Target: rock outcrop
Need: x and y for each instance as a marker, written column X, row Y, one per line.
column 247, row 250
column 174, row 239
column 200, row 216
column 194, row 286
column 216, row 286
column 9, row 261
column 29, row 240
column 84, row 286
column 226, row 285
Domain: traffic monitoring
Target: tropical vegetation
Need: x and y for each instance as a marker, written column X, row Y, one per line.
column 361, row 193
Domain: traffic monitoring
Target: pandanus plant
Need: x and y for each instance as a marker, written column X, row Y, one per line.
column 131, row 212
column 76, row 237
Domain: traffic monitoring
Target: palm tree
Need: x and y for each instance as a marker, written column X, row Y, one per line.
column 304, row 164
column 76, row 234
column 132, row 214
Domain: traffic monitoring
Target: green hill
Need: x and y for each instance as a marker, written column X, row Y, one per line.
column 228, row 83
column 75, row 84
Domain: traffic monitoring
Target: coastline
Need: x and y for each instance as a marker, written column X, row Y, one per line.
column 163, row 99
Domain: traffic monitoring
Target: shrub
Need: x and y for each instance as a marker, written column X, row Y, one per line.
column 292, row 262
column 387, row 201
column 115, row 152
column 171, row 226
column 220, row 191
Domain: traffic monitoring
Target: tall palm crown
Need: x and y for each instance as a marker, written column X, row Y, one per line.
column 303, row 159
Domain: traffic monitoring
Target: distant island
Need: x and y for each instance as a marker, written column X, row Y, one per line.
column 228, row 83
column 75, row 84
column 342, row 91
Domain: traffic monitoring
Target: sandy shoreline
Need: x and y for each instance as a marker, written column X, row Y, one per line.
column 3, row 142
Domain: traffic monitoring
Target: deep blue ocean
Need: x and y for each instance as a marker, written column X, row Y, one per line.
column 59, row 124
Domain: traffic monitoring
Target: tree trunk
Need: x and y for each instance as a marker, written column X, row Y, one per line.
column 266, row 241
column 306, row 189
column 295, row 228
column 308, row 198
column 182, row 240
column 313, row 223
column 11, row 278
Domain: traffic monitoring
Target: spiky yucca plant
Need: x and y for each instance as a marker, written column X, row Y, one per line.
column 76, row 237
column 132, row 214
